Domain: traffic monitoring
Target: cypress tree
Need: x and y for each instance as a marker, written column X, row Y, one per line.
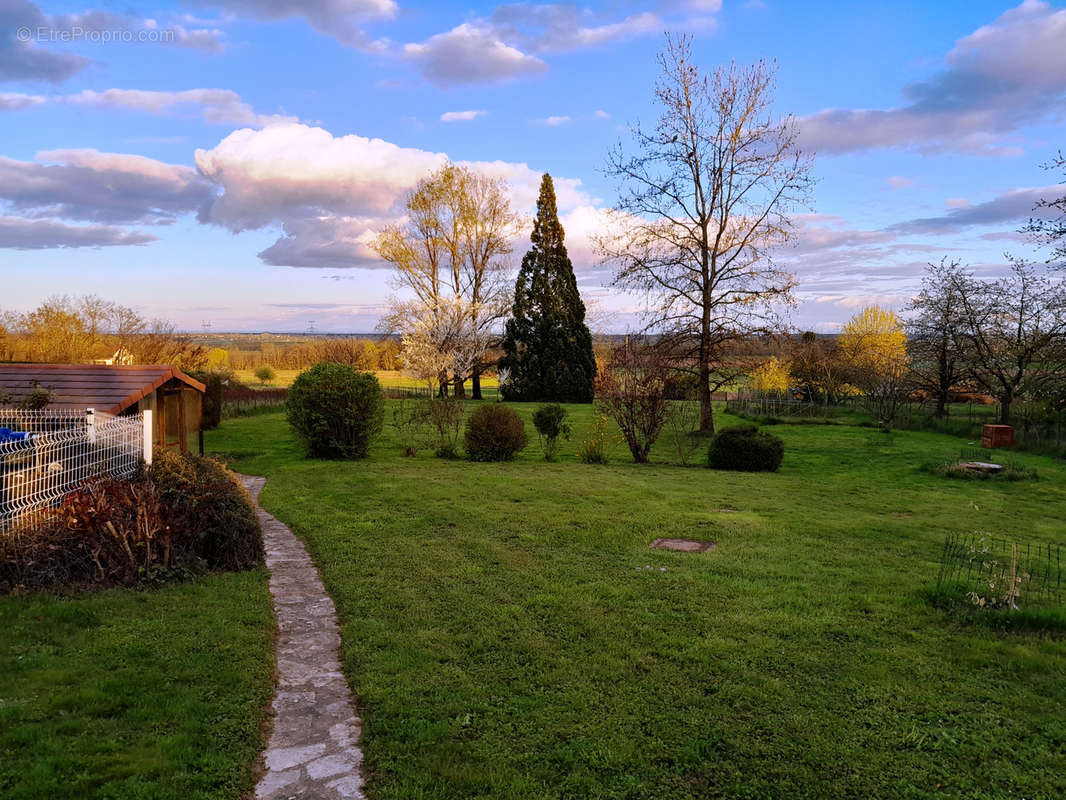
column 547, row 345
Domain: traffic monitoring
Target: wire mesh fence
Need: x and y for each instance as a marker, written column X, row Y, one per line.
column 45, row 456
column 784, row 405
column 1000, row 573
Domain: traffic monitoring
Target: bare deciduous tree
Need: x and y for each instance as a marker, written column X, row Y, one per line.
column 1052, row 230
column 706, row 200
column 934, row 341
column 1014, row 332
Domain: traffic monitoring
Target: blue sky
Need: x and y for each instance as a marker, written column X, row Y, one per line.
column 229, row 161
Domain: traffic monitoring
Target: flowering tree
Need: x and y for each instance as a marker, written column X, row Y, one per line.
column 441, row 340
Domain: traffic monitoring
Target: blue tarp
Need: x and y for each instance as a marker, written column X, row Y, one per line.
column 8, row 435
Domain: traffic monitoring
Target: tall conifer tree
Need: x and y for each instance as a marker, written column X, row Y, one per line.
column 547, row 345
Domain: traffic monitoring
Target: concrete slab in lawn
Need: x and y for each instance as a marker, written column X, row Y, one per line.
column 684, row 545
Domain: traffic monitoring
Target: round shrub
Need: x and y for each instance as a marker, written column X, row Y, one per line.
column 203, row 501
column 494, row 433
column 745, row 448
column 336, row 410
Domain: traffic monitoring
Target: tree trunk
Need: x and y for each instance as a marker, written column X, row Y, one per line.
column 706, row 408
column 475, row 384
column 941, row 406
column 459, row 387
column 1004, row 409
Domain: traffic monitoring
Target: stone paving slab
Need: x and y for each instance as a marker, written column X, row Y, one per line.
column 313, row 752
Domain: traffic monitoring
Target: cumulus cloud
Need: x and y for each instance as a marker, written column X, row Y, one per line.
column 1003, row 76
column 39, row 234
column 462, row 116
column 331, row 194
column 341, row 19
column 295, row 171
column 326, row 243
column 101, row 187
column 510, row 41
column 470, row 53
column 214, row 105
column 553, row 121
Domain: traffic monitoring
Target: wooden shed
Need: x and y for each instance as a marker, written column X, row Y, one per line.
column 175, row 399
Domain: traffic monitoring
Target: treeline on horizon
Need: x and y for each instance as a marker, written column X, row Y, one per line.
column 88, row 329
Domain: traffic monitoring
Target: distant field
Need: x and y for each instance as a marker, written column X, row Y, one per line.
column 388, row 378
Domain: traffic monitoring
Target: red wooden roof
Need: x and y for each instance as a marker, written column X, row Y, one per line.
column 108, row 389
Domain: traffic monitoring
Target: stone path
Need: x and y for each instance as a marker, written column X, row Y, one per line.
column 314, row 747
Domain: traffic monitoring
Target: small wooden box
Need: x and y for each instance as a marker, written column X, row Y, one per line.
column 997, row 436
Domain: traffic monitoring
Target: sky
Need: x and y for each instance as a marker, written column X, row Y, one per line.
column 225, row 164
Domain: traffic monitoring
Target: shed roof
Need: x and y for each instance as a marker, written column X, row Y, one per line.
column 110, row 389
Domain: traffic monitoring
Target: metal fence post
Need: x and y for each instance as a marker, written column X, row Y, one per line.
column 90, row 425
column 147, row 422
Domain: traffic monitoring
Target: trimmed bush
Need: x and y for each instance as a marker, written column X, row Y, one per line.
column 204, row 500
column 336, row 410
column 746, row 449
column 494, row 433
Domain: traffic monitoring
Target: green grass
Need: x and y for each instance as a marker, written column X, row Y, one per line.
column 506, row 641
column 146, row 694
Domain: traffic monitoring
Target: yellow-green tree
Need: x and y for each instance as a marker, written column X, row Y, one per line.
column 217, row 358
column 873, row 341
column 770, row 376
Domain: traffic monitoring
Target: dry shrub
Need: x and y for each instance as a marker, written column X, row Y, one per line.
column 631, row 389
column 184, row 515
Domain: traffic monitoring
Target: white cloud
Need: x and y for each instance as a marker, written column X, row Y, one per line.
column 470, row 53
column 1004, row 76
column 556, row 120
column 341, row 19
column 509, row 42
column 900, row 182
column 558, row 27
column 10, row 102
column 462, row 116
column 214, row 105
column 331, row 194
column 101, row 187
column 601, row 114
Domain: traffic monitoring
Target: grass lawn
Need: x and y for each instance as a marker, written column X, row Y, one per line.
column 127, row 694
column 506, row 639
